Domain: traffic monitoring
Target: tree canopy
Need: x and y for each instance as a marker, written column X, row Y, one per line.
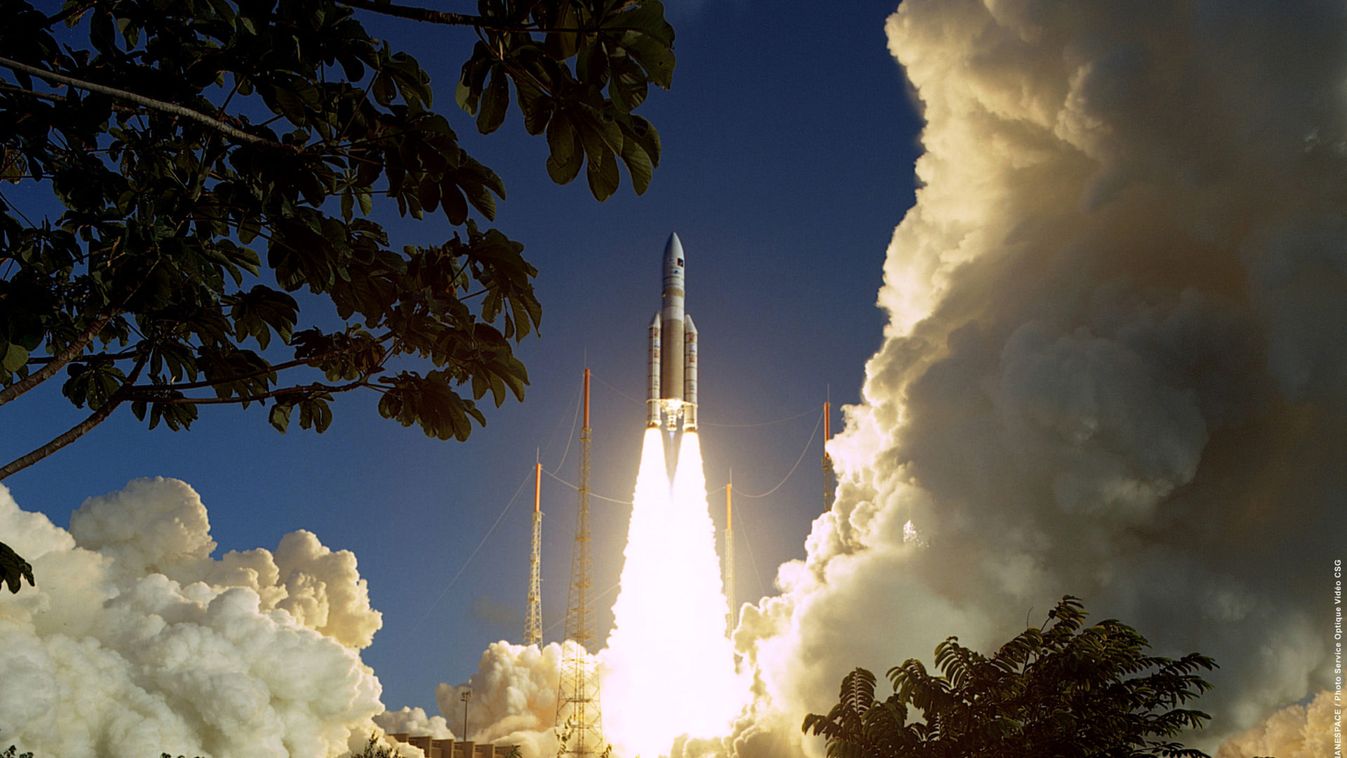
column 1063, row 689
column 218, row 166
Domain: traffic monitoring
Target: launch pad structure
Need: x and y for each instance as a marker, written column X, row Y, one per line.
column 727, row 573
column 829, row 473
column 579, row 723
column 533, row 623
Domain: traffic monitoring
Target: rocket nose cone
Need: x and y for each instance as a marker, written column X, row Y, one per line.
column 673, row 249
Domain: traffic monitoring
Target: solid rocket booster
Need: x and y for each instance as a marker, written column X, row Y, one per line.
column 672, row 395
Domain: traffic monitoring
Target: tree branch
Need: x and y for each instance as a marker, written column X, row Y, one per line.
column 95, row 358
column 150, row 393
column 148, row 102
column 462, row 19
column 52, row 96
column 297, row 362
column 424, row 14
column 254, row 374
column 73, row 11
column 78, row 430
column 59, row 360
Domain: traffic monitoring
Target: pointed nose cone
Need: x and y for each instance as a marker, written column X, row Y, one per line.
column 673, row 249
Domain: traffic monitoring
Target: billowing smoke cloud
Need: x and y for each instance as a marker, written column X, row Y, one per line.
column 415, row 722
column 1115, row 363
column 1297, row 731
column 513, row 697
column 136, row 641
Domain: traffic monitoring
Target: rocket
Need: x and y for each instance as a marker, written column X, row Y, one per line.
column 672, row 396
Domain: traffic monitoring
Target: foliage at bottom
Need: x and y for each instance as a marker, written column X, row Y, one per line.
column 1063, row 689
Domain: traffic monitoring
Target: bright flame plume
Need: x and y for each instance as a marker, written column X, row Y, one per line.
column 668, row 669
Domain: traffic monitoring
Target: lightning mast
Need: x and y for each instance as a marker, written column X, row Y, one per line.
column 533, row 624
column 829, row 474
column 729, row 557
column 579, row 722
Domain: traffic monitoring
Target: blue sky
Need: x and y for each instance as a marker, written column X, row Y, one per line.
column 788, row 147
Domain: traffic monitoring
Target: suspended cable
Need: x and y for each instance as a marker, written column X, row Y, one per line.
column 579, row 400
column 591, row 492
column 773, row 422
column 790, row 473
column 762, row 588
column 612, row 387
column 475, row 550
column 599, row 596
column 757, row 496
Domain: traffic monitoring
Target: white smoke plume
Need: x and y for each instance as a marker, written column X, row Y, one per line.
column 1114, row 365
column 513, row 697
column 136, row 641
column 1296, row 731
column 415, row 722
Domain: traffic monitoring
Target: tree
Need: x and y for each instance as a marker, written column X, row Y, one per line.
column 14, row 569
column 376, row 748
column 219, row 165
column 1062, row 689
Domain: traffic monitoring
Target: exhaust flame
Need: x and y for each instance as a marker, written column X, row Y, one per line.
column 668, row 669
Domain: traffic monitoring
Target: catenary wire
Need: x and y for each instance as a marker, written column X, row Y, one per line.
column 772, row 422
column 579, row 400
column 790, row 473
column 474, row 552
column 592, row 493
column 753, row 561
column 750, row 495
column 600, row 596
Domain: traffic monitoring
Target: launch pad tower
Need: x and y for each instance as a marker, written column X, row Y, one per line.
column 533, row 623
column 829, row 473
column 579, row 724
column 728, row 574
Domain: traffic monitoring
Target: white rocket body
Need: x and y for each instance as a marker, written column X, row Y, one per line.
column 672, row 396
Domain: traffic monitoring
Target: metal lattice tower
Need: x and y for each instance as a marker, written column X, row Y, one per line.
column 733, row 615
column 533, row 623
column 829, row 474
column 579, row 723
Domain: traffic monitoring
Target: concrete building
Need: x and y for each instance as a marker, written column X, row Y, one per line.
column 450, row 748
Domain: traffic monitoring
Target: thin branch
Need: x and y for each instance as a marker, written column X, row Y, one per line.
column 463, row 19
column 263, row 371
column 95, row 358
column 78, row 430
column 59, row 360
column 148, row 392
column 52, row 96
column 151, row 393
column 56, row 98
column 425, row 14
column 72, row 11
column 148, row 102
column 238, row 82
column 18, row 210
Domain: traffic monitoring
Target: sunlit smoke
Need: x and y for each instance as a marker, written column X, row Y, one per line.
column 668, row 669
column 1113, row 365
column 1296, row 731
column 138, row 640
